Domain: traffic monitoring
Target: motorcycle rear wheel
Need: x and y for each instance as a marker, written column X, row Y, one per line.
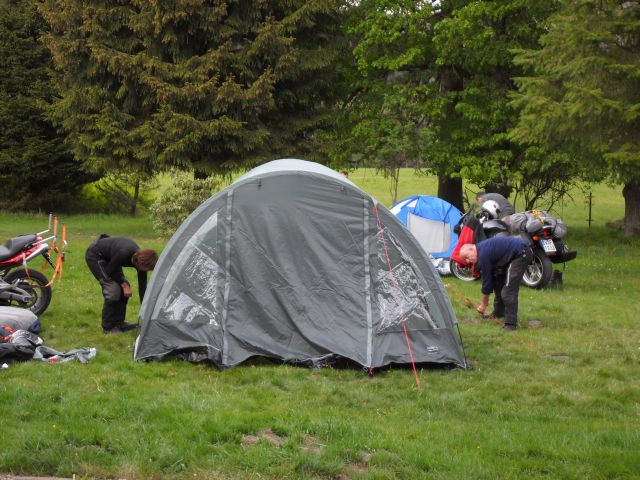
column 539, row 272
column 461, row 272
column 33, row 283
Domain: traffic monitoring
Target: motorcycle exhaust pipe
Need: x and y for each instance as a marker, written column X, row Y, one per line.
column 43, row 247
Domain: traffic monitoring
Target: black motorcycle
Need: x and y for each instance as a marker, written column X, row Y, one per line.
column 544, row 232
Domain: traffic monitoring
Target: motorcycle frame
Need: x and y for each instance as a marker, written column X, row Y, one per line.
column 27, row 255
column 9, row 291
column 38, row 247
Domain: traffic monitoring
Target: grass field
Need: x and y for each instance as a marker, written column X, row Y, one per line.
column 559, row 398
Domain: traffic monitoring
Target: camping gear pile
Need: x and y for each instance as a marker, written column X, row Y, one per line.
column 18, row 334
column 295, row 263
column 19, row 340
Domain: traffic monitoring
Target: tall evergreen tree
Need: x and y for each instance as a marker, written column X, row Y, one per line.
column 583, row 94
column 213, row 85
column 36, row 170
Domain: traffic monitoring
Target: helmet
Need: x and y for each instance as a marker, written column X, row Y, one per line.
column 492, row 208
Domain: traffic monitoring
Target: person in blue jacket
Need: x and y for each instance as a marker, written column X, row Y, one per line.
column 501, row 262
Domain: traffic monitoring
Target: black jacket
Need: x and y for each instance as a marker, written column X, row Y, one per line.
column 116, row 252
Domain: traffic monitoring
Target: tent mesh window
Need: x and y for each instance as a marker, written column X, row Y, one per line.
column 401, row 293
column 190, row 292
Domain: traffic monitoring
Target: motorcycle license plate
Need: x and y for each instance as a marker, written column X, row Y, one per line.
column 547, row 245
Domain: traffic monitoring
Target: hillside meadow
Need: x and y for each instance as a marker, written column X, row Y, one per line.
column 559, row 398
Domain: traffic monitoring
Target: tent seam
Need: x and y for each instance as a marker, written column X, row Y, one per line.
column 227, row 281
column 367, row 284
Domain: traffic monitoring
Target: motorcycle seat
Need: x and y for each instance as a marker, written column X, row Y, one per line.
column 15, row 245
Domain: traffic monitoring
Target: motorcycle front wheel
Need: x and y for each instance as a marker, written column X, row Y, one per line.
column 461, row 272
column 34, row 284
column 539, row 272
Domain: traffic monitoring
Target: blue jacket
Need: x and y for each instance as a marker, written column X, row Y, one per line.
column 494, row 253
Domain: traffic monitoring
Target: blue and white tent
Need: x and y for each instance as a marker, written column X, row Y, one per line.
column 431, row 221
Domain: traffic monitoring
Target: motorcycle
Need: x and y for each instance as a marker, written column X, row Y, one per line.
column 24, row 287
column 544, row 233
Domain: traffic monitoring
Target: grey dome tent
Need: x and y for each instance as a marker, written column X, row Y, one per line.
column 296, row 263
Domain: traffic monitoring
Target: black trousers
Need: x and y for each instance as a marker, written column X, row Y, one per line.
column 114, row 308
column 507, row 288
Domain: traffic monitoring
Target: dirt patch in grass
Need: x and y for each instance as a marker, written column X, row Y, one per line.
column 308, row 443
column 14, row 477
column 267, row 435
column 359, row 467
column 311, row 444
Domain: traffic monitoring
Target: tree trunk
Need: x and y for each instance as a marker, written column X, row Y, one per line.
column 450, row 189
column 631, row 194
column 136, row 196
column 395, row 180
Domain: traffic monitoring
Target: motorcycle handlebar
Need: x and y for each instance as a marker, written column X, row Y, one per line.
column 48, row 227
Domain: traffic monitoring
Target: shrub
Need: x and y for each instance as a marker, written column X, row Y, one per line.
column 176, row 203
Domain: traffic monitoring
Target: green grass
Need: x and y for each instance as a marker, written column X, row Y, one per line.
column 557, row 401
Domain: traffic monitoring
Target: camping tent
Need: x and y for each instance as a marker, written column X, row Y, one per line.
column 296, row 263
column 431, row 220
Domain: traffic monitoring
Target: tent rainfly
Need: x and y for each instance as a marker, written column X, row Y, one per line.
column 296, row 263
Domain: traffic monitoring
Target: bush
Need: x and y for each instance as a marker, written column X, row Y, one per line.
column 176, row 203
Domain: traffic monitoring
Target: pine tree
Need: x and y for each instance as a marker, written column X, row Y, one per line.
column 582, row 95
column 205, row 84
column 36, row 170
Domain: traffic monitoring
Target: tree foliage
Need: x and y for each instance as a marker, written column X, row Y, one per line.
column 384, row 115
column 125, row 193
column 177, row 202
column 474, row 43
column 204, row 84
column 432, row 83
column 36, row 170
column 582, row 95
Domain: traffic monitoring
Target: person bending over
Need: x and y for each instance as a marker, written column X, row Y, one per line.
column 106, row 257
column 502, row 262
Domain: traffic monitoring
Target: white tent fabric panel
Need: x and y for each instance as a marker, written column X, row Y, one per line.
column 433, row 236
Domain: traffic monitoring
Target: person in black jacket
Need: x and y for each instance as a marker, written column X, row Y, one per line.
column 106, row 257
column 502, row 262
